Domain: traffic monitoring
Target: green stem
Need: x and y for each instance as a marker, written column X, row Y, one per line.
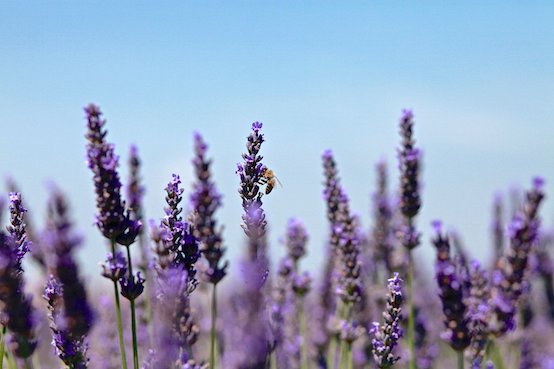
column 332, row 357
column 2, row 347
column 344, row 357
column 273, row 360
column 304, row 364
column 460, row 360
column 496, row 356
column 118, row 318
column 27, row 363
column 411, row 311
column 212, row 331
column 350, row 357
column 133, row 315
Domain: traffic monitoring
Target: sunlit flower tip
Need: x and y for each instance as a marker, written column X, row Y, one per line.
column 407, row 114
column 256, row 126
column 437, row 225
column 327, row 154
column 114, row 268
column 538, row 183
column 132, row 287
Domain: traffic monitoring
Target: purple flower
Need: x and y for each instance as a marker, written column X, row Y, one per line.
column 115, row 267
column 60, row 242
column 131, row 286
column 175, row 329
column 409, row 163
column 510, row 275
column 251, row 173
column 17, row 227
column 451, row 293
column 112, row 219
column 301, row 284
column 177, row 245
column 68, row 343
column 17, row 312
column 295, row 240
column 479, row 312
column 386, row 336
column 206, row 200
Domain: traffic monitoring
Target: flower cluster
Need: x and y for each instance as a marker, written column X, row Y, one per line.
column 112, row 219
column 387, row 335
column 508, row 281
column 206, row 200
column 409, row 164
column 451, row 292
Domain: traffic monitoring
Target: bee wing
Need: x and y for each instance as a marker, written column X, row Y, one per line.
column 278, row 181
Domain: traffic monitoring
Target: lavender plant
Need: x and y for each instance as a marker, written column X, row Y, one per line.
column 409, row 157
column 386, row 336
column 206, row 200
column 70, row 314
column 270, row 319
column 113, row 219
column 451, row 287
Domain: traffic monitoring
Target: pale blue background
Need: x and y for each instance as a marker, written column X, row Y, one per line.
column 319, row 74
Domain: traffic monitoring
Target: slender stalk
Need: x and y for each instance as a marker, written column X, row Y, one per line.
column 273, row 358
column 147, row 300
column 212, row 331
column 2, row 347
column 118, row 318
column 27, row 363
column 460, row 360
column 11, row 361
column 133, row 315
column 332, row 357
column 496, row 356
column 411, row 311
column 304, row 364
column 350, row 357
column 344, row 357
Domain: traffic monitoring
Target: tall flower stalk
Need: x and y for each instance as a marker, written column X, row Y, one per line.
column 206, row 200
column 386, row 335
column 17, row 311
column 69, row 311
column 509, row 277
column 255, row 268
column 451, row 293
column 410, row 202
column 112, row 219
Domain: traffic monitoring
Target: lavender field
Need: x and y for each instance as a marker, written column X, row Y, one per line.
column 276, row 185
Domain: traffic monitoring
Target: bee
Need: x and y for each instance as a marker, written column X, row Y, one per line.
column 270, row 180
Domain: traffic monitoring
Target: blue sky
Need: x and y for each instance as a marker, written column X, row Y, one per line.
column 319, row 74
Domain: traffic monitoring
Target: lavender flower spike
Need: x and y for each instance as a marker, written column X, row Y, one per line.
column 386, row 336
column 61, row 243
column 409, row 163
column 451, row 293
column 295, row 241
column 112, row 219
column 251, row 176
column 17, row 227
column 206, row 200
column 509, row 278
column 16, row 309
column 70, row 348
column 177, row 246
